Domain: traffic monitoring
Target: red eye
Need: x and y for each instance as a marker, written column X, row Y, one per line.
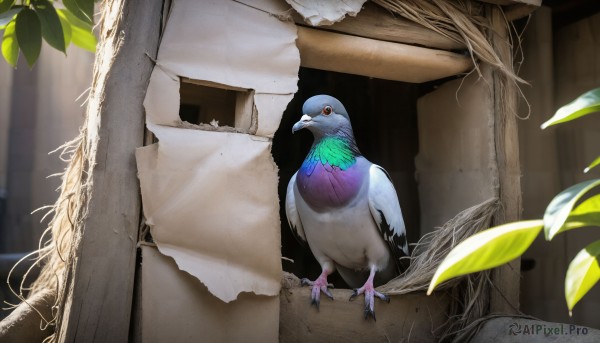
column 327, row 110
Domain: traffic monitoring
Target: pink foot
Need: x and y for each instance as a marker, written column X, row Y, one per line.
column 318, row 286
column 370, row 294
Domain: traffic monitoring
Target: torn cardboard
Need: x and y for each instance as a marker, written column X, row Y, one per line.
column 177, row 308
column 318, row 12
column 210, row 198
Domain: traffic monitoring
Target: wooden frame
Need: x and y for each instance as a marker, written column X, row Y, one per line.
column 99, row 289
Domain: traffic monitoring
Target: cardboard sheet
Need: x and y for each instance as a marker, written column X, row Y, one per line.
column 178, row 308
column 211, row 198
column 256, row 51
column 319, row 12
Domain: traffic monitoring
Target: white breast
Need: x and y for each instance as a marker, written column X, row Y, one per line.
column 348, row 235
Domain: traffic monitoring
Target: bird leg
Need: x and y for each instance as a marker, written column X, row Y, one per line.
column 370, row 293
column 318, row 286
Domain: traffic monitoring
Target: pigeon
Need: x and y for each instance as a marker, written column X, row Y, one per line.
column 344, row 207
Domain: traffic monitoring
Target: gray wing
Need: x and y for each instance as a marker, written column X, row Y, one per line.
column 291, row 212
column 385, row 209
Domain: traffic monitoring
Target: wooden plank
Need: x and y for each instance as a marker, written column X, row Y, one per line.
column 374, row 58
column 541, row 286
column 515, row 9
column 407, row 318
column 576, row 70
column 514, row 2
column 99, row 289
column 505, row 295
column 375, row 22
column 455, row 149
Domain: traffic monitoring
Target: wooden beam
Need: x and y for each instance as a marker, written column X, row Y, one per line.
column 375, row 22
column 515, row 9
column 374, row 58
column 506, row 279
column 407, row 318
column 98, row 300
column 24, row 324
column 537, row 3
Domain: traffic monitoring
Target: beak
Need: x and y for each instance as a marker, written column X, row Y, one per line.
column 304, row 122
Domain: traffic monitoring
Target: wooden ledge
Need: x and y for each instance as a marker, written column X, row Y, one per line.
column 409, row 317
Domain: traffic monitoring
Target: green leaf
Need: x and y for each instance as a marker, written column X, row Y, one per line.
column 29, row 35
column 5, row 5
column 74, row 20
column 560, row 207
column 487, row 249
column 583, row 274
column 9, row 15
column 586, row 103
column 84, row 39
column 66, row 27
column 82, row 9
column 10, row 46
column 585, row 214
column 81, row 32
column 592, row 165
column 51, row 27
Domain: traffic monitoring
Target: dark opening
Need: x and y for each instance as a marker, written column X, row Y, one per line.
column 384, row 119
column 203, row 104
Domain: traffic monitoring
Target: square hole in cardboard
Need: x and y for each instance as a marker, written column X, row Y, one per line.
column 203, row 102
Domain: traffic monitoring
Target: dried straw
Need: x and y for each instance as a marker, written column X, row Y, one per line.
column 462, row 21
column 468, row 22
column 61, row 238
column 471, row 293
column 56, row 243
column 434, row 246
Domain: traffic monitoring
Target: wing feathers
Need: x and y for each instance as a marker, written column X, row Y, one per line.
column 292, row 212
column 385, row 209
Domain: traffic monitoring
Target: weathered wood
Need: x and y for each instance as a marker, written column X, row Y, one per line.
column 526, row 330
column 24, row 324
column 541, row 286
column 576, row 70
column 374, row 58
column 407, row 318
column 99, row 290
column 515, row 9
column 375, row 22
column 515, row 12
column 455, row 149
column 505, row 295
column 514, row 2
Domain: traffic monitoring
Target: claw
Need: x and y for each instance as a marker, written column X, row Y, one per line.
column 382, row 297
column 354, row 294
column 370, row 294
column 318, row 286
column 326, row 291
column 316, row 302
column 369, row 312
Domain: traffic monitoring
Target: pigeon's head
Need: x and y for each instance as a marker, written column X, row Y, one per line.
column 323, row 115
